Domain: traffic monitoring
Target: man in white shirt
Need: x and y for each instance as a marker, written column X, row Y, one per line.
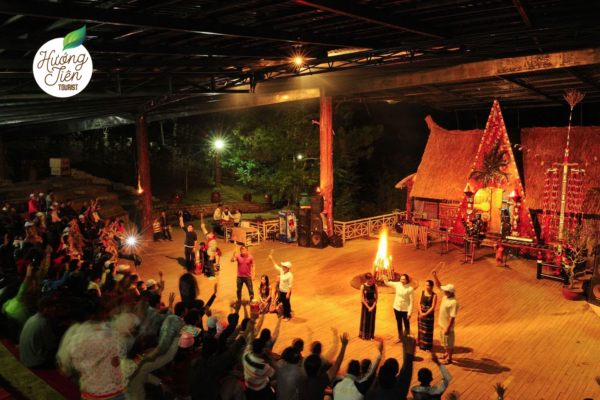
column 425, row 391
column 285, row 286
column 403, row 303
column 448, row 311
column 218, row 214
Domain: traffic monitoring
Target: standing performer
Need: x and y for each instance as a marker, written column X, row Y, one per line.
column 448, row 311
column 245, row 271
column 403, row 303
column 285, row 286
column 164, row 225
column 211, row 249
column 190, row 244
column 368, row 297
column 427, row 317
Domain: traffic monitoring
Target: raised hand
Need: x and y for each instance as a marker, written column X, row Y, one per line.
column 171, row 299
column 344, row 339
column 380, row 346
column 160, row 273
column 434, row 358
column 215, row 289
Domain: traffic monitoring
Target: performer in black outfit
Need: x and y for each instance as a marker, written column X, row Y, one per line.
column 164, row 225
column 190, row 244
column 368, row 299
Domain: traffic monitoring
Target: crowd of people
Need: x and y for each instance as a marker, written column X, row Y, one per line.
column 68, row 301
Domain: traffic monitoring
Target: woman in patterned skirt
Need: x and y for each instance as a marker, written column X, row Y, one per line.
column 368, row 298
column 274, row 308
column 427, row 317
column 265, row 294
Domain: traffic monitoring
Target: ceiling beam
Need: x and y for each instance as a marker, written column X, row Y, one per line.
column 26, row 64
column 238, row 101
column 127, row 18
column 524, row 85
column 585, row 79
column 458, row 73
column 523, row 12
column 62, row 127
column 123, row 48
column 373, row 16
column 450, row 93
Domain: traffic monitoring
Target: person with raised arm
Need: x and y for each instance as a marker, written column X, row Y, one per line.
column 447, row 319
column 425, row 391
column 190, row 244
column 285, row 286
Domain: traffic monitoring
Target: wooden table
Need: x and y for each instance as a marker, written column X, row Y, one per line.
column 242, row 235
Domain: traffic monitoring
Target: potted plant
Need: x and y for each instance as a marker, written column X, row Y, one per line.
column 259, row 219
column 215, row 196
column 243, row 173
column 575, row 253
column 177, row 197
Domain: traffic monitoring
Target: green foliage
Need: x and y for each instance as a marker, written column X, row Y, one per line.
column 493, row 167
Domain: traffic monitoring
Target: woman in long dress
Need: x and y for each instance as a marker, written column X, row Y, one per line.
column 274, row 308
column 265, row 294
column 427, row 317
column 368, row 297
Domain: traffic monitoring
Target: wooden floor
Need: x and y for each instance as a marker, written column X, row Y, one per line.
column 511, row 328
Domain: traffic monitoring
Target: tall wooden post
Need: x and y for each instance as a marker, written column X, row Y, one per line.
column 3, row 162
column 217, row 169
column 143, row 156
column 326, row 142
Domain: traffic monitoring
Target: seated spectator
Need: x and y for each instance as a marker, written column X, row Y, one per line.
column 207, row 370
column 313, row 385
column 390, row 386
column 425, row 391
column 258, row 371
column 171, row 327
column 180, row 367
column 288, row 374
column 353, row 387
column 37, row 344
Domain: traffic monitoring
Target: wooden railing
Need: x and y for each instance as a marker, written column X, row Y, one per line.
column 364, row 227
column 266, row 227
column 347, row 230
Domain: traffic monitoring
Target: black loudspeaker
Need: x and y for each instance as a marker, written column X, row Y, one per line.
column 594, row 291
column 303, row 236
column 316, row 223
column 304, row 218
column 318, row 240
column 316, row 205
column 336, row 241
column 596, row 264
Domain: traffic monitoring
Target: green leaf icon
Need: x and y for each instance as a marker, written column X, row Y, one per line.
column 74, row 39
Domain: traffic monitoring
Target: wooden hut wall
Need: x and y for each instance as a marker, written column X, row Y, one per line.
column 544, row 146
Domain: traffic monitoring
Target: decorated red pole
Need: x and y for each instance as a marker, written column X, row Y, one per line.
column 573, row 97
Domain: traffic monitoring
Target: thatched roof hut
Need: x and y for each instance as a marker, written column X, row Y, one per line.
column 404, row 182
column 446, row 163
column 544, row 146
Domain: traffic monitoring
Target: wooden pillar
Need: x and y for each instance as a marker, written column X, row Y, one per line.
column 3, row 162
column 143, row 156
column 326, row 143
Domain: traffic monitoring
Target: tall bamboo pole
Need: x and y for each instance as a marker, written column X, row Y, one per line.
column 573, row 97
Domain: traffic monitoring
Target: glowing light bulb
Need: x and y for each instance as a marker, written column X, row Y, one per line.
column 219, row 144
column 298, row 60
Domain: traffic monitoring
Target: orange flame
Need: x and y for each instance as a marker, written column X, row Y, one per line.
column 512, row 194
column 383, row 263
column 140, row 190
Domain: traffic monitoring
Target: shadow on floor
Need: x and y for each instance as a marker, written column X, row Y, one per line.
column 180, row 260
column 485, row 365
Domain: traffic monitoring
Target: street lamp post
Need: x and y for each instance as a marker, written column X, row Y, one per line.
column 219, row 144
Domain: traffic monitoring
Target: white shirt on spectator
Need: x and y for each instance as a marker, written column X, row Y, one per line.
column 427, row 392
column 218, row 215
column 285, row 280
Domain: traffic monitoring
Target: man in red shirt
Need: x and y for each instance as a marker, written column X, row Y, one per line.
column 245, row 271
